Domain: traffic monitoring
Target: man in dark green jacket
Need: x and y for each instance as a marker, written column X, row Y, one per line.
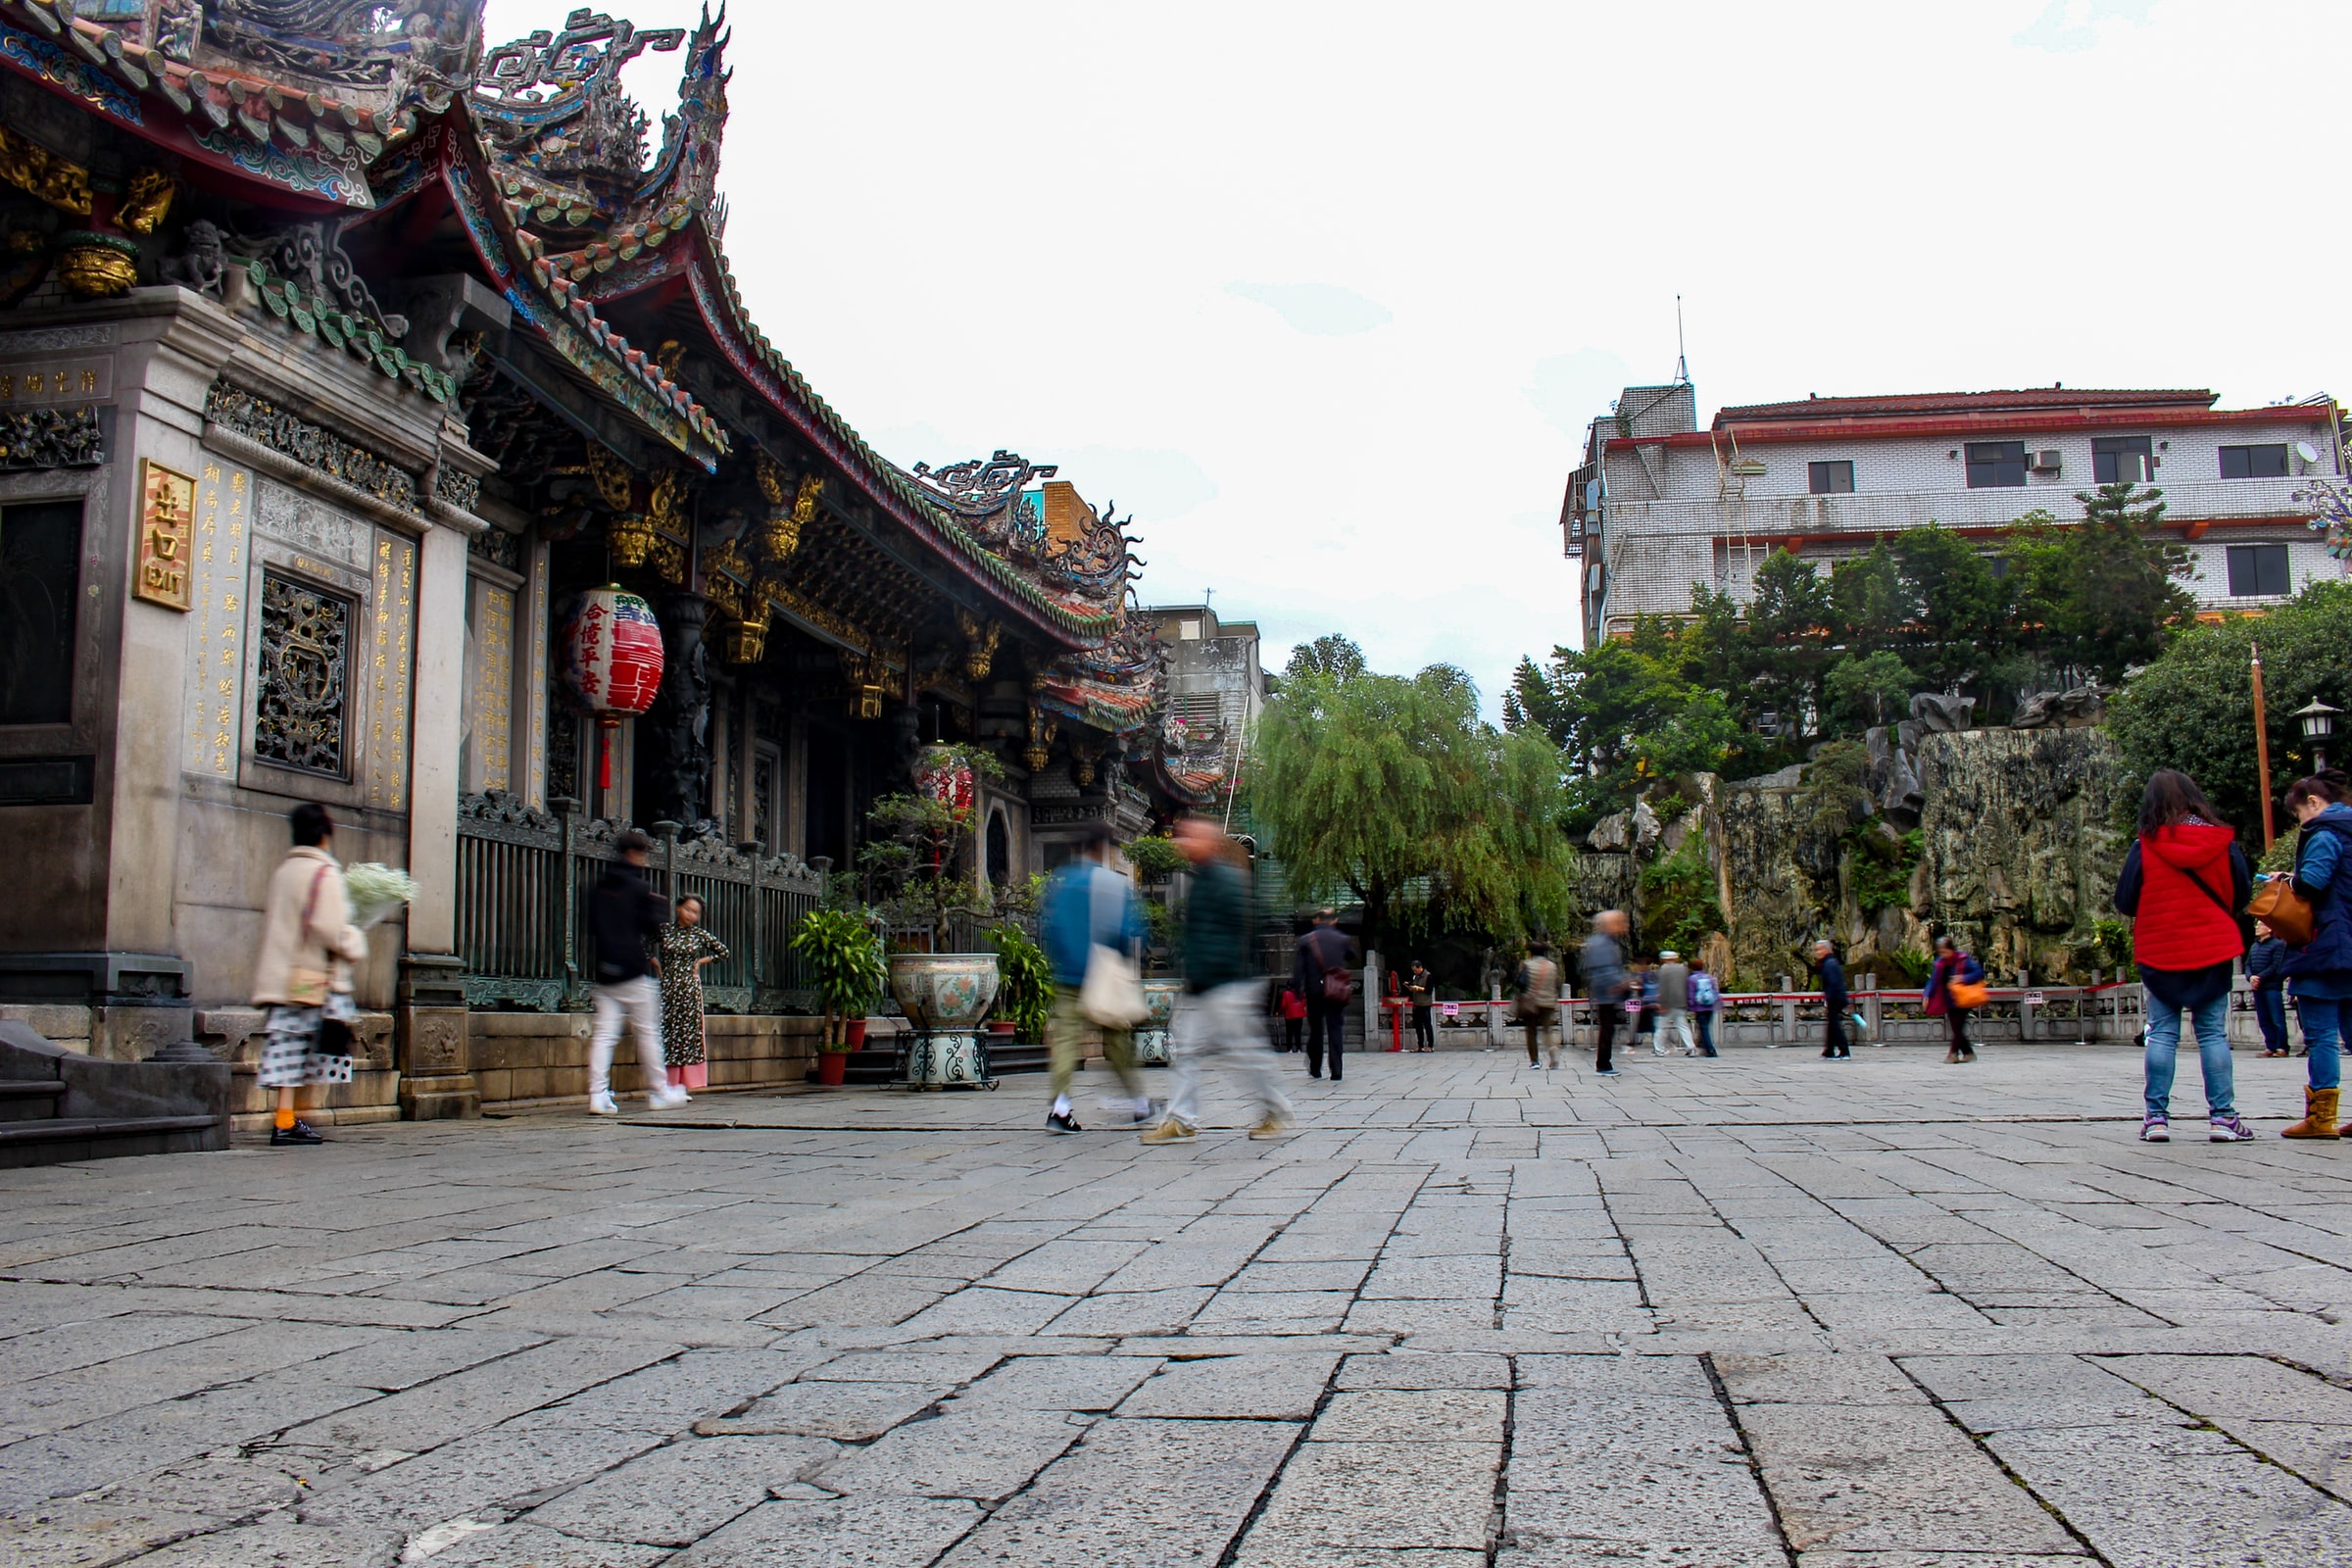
column 1216, row 1018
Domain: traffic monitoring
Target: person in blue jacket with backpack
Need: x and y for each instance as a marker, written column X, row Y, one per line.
column 1087, row 905
column 2319, row 973
column 1706, row 996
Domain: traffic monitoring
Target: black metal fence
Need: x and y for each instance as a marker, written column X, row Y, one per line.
column 524, row 880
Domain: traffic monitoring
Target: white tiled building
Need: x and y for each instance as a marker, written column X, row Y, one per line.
column 1660, row 503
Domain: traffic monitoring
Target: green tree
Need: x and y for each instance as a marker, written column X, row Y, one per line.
column 1957, row 610
column 1330, row 655
column 1617, row 715
column 2095, row 598
column 1869, row 689
column 2193, row 707
column 1790, row 621
column 1376, row 784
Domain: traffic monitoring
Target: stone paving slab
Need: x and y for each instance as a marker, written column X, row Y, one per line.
column 1761, row 1311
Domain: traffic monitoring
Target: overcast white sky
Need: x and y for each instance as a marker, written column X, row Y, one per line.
column 1325, row 294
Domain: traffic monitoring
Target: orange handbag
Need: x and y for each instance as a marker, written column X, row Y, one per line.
column 2288, row 914
column 1966, row 995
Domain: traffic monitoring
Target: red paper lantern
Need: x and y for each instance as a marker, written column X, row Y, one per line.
column 614, row 662
column 946, row 780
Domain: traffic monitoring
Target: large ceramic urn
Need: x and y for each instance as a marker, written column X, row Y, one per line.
column 1151, row 1035
column 945, row 994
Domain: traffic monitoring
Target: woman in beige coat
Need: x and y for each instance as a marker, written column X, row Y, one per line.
column 304, row 975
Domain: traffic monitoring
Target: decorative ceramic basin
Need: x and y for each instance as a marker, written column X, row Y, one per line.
column 1151, row 1035
column 946, row 994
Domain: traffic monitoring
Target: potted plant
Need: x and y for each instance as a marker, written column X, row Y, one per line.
column 1025, row 981
column 917, row 867
column 845, row 958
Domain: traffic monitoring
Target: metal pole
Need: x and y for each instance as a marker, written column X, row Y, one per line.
column 2262, row 752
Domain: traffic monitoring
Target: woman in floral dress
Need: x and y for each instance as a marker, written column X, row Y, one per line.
column 681, row 951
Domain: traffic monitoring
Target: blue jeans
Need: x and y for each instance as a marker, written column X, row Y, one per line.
column 2212, row 1024
column 2270, row 1011
column 2323, row 1032
column 1706, row 1032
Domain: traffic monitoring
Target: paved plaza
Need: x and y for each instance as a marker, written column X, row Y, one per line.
column 1766, row 1309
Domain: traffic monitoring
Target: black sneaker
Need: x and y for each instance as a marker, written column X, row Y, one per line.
column 1057, row 1121
column 299, row 1133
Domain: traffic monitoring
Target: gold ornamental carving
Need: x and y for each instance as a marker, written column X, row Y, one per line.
column 775, row 485
column 868, row 675
column 668, row 559
column 780, row 535
column 673, row 496
column 612, row 477
column 96, row 267
column 743, row 639
column 39, row 172
column 723, row 568
column 167, row 518
column 146, row 198
column 1042, row 730
column 981, row 638
column 632, row 539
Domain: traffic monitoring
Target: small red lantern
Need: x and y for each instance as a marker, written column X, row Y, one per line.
column 614, row 662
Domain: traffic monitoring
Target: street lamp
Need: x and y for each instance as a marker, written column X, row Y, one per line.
column 2318, row 723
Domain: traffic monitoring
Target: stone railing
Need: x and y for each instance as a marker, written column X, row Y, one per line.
column 524, row 880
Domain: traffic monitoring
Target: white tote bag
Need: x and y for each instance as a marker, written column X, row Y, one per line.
column 1112, row 997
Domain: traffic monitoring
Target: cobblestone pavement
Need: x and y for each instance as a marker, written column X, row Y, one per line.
column 1709, row 1314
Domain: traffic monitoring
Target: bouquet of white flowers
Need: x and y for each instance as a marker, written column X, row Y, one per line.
column 375, row 890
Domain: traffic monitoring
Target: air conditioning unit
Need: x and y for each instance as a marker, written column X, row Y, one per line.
column 2047, row 460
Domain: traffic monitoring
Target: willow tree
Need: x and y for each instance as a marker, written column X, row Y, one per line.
column 1380, row 786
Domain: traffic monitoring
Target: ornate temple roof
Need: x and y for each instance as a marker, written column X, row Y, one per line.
column 348, row 109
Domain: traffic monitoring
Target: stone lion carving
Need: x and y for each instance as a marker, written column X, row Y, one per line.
column 202, row 263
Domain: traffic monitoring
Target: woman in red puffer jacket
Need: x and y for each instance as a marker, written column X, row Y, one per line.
column 2186, row 883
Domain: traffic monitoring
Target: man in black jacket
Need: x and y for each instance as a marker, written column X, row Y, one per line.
column 1323, row 952
column 1212, row 1021
column 624, row 914
column 1831, row 970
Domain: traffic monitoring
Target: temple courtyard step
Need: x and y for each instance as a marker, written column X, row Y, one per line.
column 1011, row 1059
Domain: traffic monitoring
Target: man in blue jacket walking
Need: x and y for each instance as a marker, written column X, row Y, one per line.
column 1087, row 906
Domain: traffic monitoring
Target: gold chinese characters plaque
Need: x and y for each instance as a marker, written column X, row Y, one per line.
column 166, row 513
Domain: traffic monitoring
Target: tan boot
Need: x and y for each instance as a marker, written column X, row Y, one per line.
column 2319, row 1115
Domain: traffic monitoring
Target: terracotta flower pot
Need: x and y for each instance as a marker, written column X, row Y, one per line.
column 852, row 1033
column 830, row 1065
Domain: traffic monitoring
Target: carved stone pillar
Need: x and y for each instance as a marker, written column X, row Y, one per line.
column 436, row 1062
column 680, row 791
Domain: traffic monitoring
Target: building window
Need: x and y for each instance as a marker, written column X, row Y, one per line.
column 40, row 548
column 1829, row 479
column 300, row 721
column 2258, row 571
column 1995, row 465
column 1000, row 852
column 2122, row 459
column 2254, row 463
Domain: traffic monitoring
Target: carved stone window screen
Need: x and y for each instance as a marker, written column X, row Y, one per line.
column 303, row 696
